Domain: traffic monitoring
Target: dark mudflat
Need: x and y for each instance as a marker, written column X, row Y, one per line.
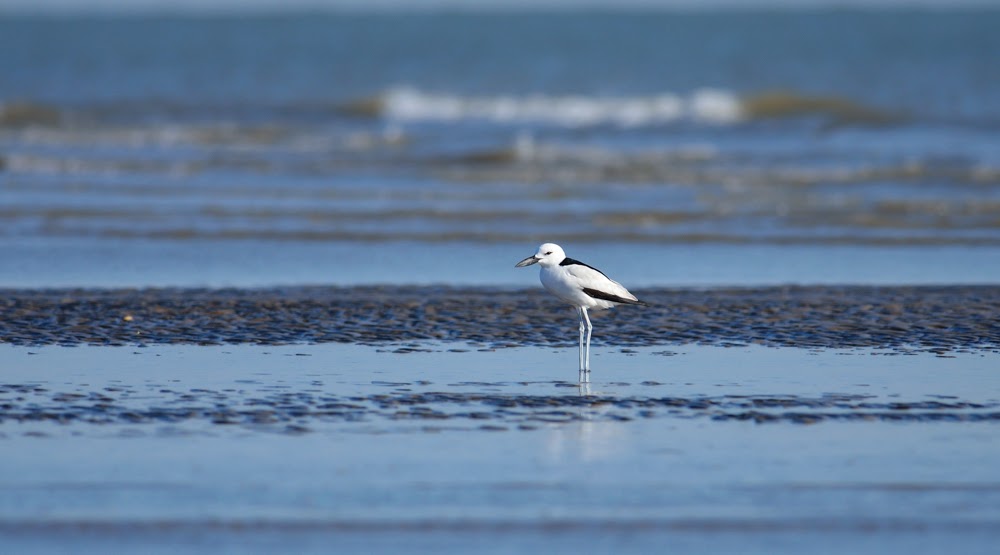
column 924, row 318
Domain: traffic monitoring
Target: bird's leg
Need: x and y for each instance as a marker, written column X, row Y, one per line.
column 590, row 327
column 579, row 313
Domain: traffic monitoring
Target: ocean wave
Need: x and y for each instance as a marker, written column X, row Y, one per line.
column 707, row 106
column 838, row 110
column 26, row 114
column 408, row 104
column 528, row 160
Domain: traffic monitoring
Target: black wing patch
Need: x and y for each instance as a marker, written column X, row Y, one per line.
column 609, row 297
column 571, row 261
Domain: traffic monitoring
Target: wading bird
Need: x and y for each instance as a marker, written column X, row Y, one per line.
column 580, row 285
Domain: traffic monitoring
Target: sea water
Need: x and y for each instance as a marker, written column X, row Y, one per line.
column 250, row 142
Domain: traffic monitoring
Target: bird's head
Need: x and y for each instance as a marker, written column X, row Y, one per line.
column 549, row 254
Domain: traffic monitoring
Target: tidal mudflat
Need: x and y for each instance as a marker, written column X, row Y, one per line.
column 342, row 447
column 939, row 319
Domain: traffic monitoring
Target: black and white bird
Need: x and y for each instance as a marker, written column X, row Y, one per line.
column 580, row 285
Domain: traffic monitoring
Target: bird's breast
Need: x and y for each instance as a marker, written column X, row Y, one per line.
column 562, row 285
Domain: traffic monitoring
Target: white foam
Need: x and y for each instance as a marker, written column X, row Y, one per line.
column 715, row 106
column 405, row 104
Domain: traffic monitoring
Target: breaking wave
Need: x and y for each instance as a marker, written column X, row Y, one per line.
column 707, row 106
column 407, row 104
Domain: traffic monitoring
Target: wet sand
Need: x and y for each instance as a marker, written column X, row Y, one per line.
column 939, row 319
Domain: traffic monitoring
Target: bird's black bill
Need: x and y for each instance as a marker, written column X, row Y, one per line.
column 526, row 262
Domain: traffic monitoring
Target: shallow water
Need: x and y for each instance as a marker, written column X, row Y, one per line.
column 83, row 262
column 359, row 388
column 608, row 476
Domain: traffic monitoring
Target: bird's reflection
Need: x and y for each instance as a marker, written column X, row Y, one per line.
column 586, row 441
column 592, row 436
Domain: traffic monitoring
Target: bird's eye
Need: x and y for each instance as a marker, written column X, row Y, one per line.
column 548, row 253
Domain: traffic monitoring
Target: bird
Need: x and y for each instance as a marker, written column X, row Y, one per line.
column 580, row 285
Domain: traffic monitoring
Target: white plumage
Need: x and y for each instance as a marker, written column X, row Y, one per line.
column 580, row 285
